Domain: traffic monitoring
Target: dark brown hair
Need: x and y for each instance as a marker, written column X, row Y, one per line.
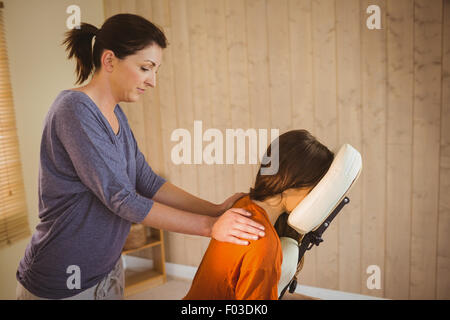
column 303, row 161
column 124, row 34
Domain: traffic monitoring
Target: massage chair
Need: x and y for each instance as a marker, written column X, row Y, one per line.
column 315, row 212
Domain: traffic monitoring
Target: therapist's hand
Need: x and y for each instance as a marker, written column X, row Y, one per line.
column 228, row 203
column 234, row 225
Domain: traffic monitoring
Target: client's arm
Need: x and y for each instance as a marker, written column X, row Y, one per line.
column 258, row 278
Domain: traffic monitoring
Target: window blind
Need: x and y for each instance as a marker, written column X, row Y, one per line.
column 13, row 209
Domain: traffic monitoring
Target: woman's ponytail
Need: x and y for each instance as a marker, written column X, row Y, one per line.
column 78, row 43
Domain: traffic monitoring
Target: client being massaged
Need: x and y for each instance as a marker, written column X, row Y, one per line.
column 228, row 271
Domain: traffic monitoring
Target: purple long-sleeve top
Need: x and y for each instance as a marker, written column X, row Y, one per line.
column 92, row 185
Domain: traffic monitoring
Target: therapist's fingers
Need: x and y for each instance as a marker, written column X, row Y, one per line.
column 250, row 230
column 228, row 227
column 243, row 235
column 245, row 220
column 238, row 241
column 228, row 203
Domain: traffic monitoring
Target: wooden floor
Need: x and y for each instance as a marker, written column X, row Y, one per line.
column 176, row 288
column 173, row 289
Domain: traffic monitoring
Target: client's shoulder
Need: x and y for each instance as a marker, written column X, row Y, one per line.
column 242, row 202
column 270, row 241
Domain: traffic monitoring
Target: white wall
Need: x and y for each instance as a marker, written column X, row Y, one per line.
column 39, row 71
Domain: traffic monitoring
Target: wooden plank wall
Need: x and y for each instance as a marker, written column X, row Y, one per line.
column 348, row 83
column 399, row 146
column 443, row 252
column 314, row 64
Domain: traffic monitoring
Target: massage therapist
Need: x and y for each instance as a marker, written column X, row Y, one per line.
column 93, row 179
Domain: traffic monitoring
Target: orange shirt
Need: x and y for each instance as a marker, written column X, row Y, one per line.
column 230, row 271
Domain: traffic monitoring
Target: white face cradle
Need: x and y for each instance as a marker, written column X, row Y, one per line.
column 328, row 193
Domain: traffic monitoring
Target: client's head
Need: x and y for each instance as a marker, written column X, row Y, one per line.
column 303, row 161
